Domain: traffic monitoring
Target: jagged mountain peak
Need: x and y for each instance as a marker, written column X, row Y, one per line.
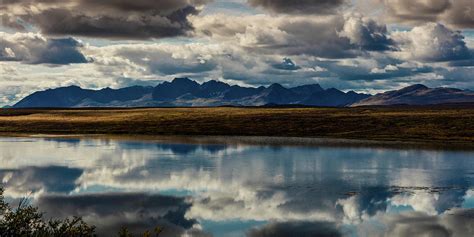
column 183, row 80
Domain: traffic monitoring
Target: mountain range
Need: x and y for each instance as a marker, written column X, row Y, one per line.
column 186, row 92
column 183, row 92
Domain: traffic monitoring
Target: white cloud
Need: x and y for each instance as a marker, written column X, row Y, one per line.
column 431, row 42
column 284, row 35
column 366, row 33
column 420, row 201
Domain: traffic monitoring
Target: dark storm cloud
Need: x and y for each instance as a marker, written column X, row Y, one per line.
column 142, row 5
column 64, row 22
column 141, row 19
column 301, row 229
column 459, row 13
column 35, row 49
column 136, row 211
column 416, row 9
column 61, row 51
column 299, row 6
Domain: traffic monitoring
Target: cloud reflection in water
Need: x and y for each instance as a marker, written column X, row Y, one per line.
column 189, row 188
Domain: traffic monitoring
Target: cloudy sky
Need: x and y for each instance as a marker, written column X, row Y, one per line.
column 361, row 45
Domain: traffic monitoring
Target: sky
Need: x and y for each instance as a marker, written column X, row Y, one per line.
column 362, row 45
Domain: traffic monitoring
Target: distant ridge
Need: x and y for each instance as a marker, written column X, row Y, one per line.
column 185, row 92
column 418, row 95
column 74, row 96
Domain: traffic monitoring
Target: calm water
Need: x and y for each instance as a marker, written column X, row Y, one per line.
column 241, row 190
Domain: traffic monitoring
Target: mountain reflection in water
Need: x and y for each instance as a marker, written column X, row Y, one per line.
column 243, row 190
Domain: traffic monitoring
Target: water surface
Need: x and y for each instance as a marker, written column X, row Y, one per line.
column 243, row 190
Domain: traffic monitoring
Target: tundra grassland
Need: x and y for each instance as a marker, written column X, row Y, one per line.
column 431, row 125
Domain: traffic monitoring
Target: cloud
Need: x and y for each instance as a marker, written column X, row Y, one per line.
column 111, row 211
column 299, row 6
column 417, row 10
column 458, row 13
column 199, row 61
column 363, row 205
column 18, row 79
column 337, row 37
column 36, row 180
column 432, row 42
column 366, row 33
column 140, row 19
column 35, row 49
column 160, row 59
column 461, row 14
column 456, row 222
column 287, row 64
column 303, row 229
column 419, row 201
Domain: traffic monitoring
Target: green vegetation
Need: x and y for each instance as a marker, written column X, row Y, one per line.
column 443, row 125
column 26, row 220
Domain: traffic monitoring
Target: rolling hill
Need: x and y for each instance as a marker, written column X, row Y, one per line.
column 419, row 95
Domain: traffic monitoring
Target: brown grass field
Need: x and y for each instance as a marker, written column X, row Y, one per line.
column 442, row 125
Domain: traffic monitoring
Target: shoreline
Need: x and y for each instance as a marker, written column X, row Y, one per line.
column 258, row 141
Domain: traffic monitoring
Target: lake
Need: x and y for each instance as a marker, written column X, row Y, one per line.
column 243, row 190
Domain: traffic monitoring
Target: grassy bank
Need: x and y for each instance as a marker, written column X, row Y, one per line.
column 442, row 125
